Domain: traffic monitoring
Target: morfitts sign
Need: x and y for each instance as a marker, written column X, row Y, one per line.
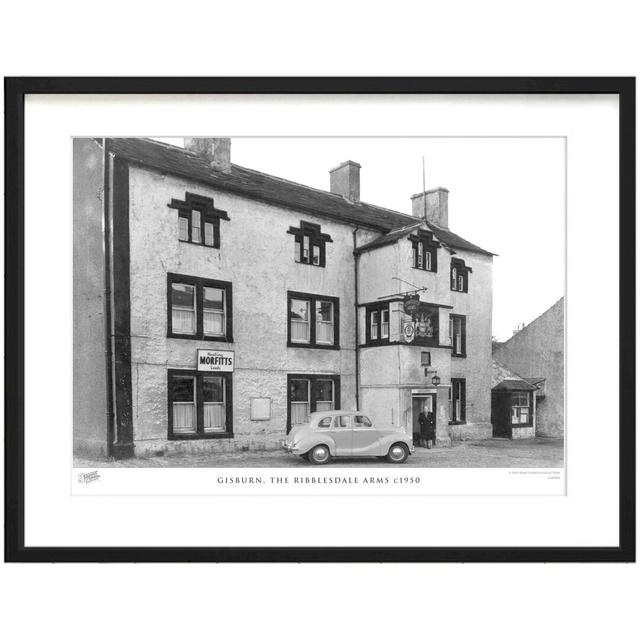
column 215, row 360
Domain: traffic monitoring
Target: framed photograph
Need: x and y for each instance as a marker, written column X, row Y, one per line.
column 320, row 319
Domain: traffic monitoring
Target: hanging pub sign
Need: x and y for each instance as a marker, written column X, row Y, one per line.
column 424, row 325
column 408, row 331
column 209, row 360
column 411, row 304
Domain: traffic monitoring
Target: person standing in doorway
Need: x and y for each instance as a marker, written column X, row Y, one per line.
column 423, row 421
column 431, row 430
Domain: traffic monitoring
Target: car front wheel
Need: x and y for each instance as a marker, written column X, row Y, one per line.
column 319, row 454
column 398, row 453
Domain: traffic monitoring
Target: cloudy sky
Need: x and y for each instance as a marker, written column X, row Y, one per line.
column 506, row 195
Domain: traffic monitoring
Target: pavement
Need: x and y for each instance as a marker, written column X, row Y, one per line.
column 494, row 453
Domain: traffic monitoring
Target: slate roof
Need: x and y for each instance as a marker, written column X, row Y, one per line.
column 503, row 379
column 272, row 190
column 392, row 236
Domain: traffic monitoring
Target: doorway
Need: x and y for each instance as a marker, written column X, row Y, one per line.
column 425, row 403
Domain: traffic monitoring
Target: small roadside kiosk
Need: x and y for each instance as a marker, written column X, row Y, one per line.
column 513, row 404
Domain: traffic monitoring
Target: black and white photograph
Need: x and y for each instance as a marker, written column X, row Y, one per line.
column 294, row 301
column 361, row 317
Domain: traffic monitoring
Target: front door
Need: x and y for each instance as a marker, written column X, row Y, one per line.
column 425, row 404
column 500, row 414
column 342, row 434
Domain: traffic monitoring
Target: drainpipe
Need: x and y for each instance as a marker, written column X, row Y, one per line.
column 107, row 296
column 356, row 257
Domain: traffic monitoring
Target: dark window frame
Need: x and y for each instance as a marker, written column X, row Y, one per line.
column 200, row 284
column 461, row 270
column 312, row 377
column 429, row 245
column 208, row 213
column 198, row 376
column 316, row 239
column 463, row 332
column 462, row 386
column 313, row 298
column 529, row 406
column 378, row 307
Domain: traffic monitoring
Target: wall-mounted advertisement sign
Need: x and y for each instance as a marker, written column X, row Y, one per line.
column 209, row 360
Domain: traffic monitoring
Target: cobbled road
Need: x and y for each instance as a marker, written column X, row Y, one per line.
column 495, row 453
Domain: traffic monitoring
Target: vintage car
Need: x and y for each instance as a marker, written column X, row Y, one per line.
column 338, row 434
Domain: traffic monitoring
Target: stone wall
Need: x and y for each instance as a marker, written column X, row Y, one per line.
column 89, row 366
column 257, row 256
column 537, row 351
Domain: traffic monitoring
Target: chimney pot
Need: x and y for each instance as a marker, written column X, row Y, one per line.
column 436, row 204
column 345, row 180
column 215, row 151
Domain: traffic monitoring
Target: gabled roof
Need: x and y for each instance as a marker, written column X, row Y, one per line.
column 503, row 379
column 456, row 241
column 389, row 238
column 270, row 189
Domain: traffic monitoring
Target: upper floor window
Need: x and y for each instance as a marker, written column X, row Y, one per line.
column 313, row 321
column 458, row 335
column 309, row 245
column 198, row 308
column 377, row 323
column 425, row 251
column 198, row 220
column 459, row 275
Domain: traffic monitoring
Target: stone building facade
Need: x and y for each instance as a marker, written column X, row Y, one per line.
column 216, row 306
column 536, row 352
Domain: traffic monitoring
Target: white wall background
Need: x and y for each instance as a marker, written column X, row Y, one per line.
column 466, row 38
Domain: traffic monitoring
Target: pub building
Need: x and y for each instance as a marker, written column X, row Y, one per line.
column 215, row 306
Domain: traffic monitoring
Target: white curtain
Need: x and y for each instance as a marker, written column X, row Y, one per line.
column 214, row 416
column 195, row 226
column 208, row 233
column 299, row 412
column 183, row 228
column 299, row 331
column 184, row 417
column 183, row 320
column 213, row 323
column 324, row 332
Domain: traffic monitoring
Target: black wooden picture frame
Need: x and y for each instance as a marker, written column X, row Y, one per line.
column 16, row 89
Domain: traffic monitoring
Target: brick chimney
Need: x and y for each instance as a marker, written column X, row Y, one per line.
column 345, row 180
column 437, row 206
column 216, row 151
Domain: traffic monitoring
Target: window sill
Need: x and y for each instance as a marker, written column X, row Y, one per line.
column 310, row 264
column 455, row 422
column 200, row 436
column 458, row 355
column 423, row 269
column 303, row 345
column 199, row 244
column 184, row 336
